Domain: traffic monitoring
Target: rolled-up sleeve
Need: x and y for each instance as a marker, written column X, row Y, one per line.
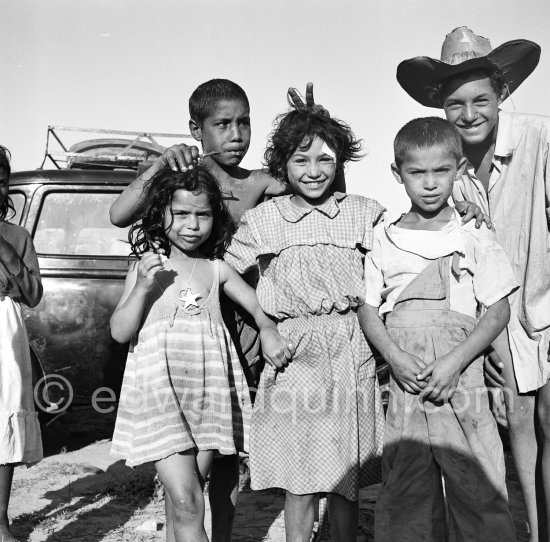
column 243, row 251
column 374, row 279
column 24, row 284
column 494, row 278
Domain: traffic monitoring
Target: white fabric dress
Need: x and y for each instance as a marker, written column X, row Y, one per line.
column 20, row 440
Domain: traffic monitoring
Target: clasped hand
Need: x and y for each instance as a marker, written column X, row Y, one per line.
column 275, row 348
column 441, row 379
column 436, row 381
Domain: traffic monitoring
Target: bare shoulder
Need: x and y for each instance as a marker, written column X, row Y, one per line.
column 270, row 186
column 226, row 271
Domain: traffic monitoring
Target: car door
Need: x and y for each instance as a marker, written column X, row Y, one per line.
column 83, row 261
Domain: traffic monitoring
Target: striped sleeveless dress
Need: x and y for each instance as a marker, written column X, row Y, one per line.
column 183, row 385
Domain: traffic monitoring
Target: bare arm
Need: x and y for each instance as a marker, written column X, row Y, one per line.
column 274, row 347
column 445, row 372
column 128, row 206
column 126, row 319
column 405, row 367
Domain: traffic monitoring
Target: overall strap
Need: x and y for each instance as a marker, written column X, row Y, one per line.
column 431, row 287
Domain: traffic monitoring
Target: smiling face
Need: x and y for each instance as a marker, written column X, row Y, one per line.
column 428, row 175
column 227, row 130
column 471, row 105
column 188, row 220
column 311, row 172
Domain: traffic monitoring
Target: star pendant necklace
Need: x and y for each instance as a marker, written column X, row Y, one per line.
column 187, row 296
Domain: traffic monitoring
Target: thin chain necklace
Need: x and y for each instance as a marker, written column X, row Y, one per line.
column 187, row 296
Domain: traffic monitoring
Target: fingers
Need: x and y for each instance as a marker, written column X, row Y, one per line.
column 181, row 157
column 150, row 264
column 276, row 362
column 493, row 374
column 468, row 215
column 424, row 373
column 295, row 98
column 310, row 102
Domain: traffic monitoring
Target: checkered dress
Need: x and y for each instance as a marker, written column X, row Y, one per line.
column 183, row 386
column 318, row 425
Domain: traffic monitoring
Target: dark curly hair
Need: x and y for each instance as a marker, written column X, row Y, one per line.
column 7, row 207
column 150, row 231
column 298, row 128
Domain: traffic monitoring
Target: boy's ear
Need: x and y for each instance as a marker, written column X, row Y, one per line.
column 504, row 94
column 461, row 167
column 195, row 130
column 396, row 173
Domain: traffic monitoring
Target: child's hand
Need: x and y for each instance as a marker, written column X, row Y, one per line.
column 276, row 350
column 149, row 265
column 178, row 158
column 405, row 368
column 443, row 374
column 297, row 102
column 468, row 210
column 493, row 369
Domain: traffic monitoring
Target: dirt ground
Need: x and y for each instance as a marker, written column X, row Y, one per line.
column 79, row 493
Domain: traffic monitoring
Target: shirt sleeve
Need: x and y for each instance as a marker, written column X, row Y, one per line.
column 242, row 253
column 547, row 182
column 374, row 278
column 494, row 277
column 24, row 283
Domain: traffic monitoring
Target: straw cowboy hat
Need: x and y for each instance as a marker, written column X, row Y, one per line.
column 463, row 51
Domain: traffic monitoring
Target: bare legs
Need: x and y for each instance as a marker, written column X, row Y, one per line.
column 544, row 497
column 6, row 476
column 344, row 518
column 183, row 478
column 527, row 450
column 223, row 491
column 300, row 515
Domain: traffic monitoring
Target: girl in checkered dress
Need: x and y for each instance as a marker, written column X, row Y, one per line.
column 317, row 423
column 184, row 397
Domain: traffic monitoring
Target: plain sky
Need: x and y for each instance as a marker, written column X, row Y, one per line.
column 132, row 64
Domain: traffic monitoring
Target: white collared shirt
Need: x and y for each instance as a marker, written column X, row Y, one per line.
column 398, row 255
column 518, row 202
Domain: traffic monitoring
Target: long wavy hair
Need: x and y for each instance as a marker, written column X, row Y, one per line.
column 7, row 207
column 298, row 128
column 150, row 233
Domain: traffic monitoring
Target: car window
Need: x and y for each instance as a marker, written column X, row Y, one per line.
column 77, row 223
column 18, row 199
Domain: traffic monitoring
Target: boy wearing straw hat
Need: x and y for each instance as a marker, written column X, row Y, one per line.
column 508, row 176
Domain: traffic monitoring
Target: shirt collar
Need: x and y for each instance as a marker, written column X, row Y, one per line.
column 292, row 213
column 427, row 243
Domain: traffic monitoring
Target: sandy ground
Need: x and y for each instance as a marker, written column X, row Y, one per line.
column 79, row 493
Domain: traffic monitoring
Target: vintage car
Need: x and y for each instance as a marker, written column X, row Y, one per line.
column 83, row 261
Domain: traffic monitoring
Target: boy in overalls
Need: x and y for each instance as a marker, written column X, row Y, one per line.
column 441, row 287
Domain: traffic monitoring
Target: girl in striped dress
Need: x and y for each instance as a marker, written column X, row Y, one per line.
column 184, row 397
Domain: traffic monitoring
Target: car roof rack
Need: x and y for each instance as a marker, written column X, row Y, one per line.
column 113, row 149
